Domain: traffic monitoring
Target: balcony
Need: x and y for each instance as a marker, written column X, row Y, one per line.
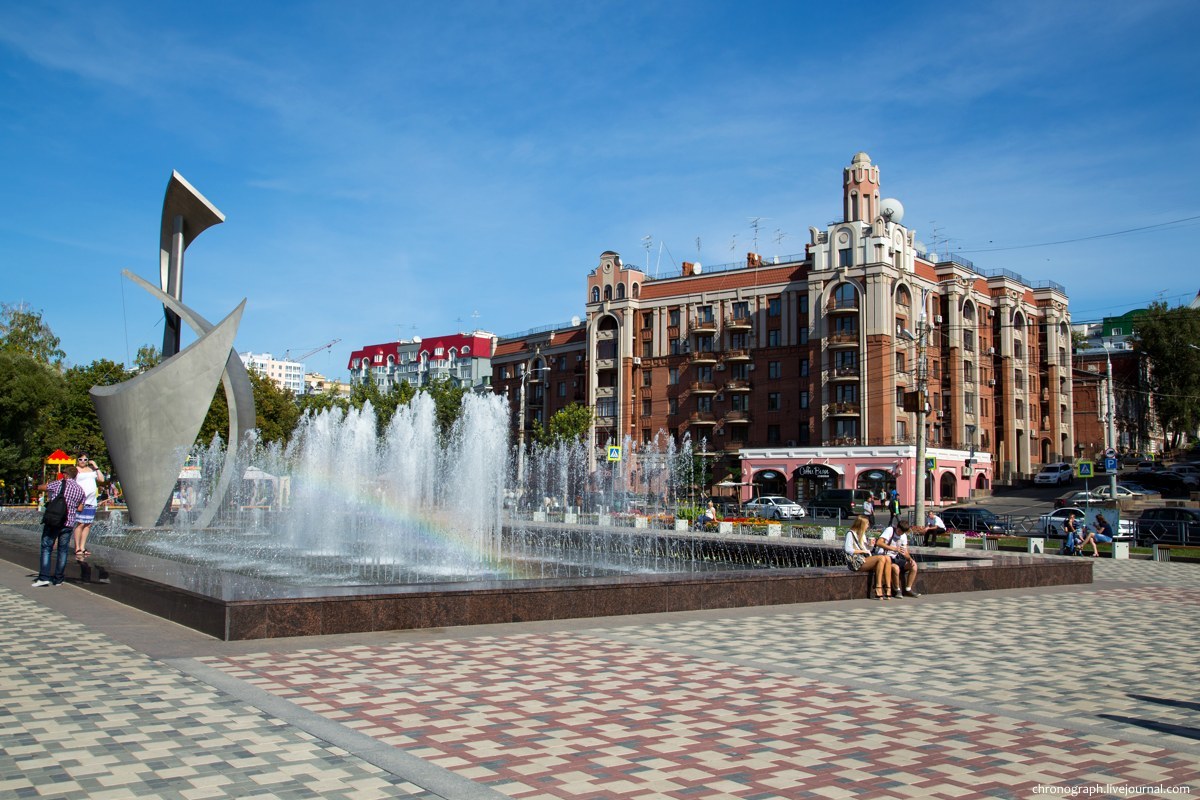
column 845, row 409
column 646, row 334
column 703, row 357
column 737, row 417
column 606, row 335
column 844, row 372
column 701, row 387
column 702, row 418
column 842, row 306
column 606, row 363
column 605, row 391
column 737, row 355
column 703, row 324
column 736, row 322
column 737, row 385
column 842, row 339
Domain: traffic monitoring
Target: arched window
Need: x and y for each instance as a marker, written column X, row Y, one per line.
column 903, row 297
column 595, row 294
column 608, row 293
column 637, row 291
column 845, row 296
column 620, row 291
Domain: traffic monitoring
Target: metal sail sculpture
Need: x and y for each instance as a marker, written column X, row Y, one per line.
column 151, row 421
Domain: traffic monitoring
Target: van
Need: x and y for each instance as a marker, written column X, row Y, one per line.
column 846, row 502
column 1056, row 474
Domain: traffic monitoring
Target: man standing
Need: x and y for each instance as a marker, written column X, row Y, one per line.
column 57, row 525
column 893, row 507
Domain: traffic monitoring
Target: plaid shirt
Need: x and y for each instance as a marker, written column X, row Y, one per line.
column 75, row 496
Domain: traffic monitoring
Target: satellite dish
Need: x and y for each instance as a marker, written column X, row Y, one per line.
column 697, row 268
column 891, row 209
column 416, row 340
column 575, row 320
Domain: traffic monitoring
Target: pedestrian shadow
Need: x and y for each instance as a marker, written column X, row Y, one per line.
column 1182, row 731
column 1165, row 701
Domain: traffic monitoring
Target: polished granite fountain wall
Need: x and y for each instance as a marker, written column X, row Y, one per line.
column 233, row 607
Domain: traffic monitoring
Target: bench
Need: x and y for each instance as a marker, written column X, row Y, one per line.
column 1162, row 552
column 1119, row 548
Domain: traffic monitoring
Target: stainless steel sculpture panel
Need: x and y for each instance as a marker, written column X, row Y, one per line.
column 151, row 421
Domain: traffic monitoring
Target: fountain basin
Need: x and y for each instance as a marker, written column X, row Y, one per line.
column 232, row 606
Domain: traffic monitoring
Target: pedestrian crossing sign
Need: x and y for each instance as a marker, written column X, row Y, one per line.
column 1085, row 469
column 614, row 453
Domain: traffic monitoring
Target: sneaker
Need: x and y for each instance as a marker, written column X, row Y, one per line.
column 912, row 593
column 41, row 583
column 896, row 594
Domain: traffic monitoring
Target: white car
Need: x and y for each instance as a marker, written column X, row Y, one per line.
column 773, row 507
column 1122, row 493
column 1058, row 474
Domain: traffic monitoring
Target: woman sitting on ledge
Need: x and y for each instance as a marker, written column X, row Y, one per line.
column 1101, row 533
column 859, row 559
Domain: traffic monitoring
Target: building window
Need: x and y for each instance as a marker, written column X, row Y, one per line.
column 803, row 334
column 741, row 309
column 673, row 317
column 608, row 293
column 647, row 379
column 804, row 399
column 845, row 258
column 774, row 370
column 704, row 313
column 672, row 376
column 704, row 344
column 606, row 407
column 773, row 401
column 846, row 393
column 672, row 405
column 648, row 320
column 503, row 373
column 740, row 402
column 704, row 374
column 773, row 338
column 646, row 408
column 678, row 347
column 899, row 397
column 901, row 369
column 704, row 403
column 773, row 434
column 773, row 307
column 901, row 429
column 620, row 291
column 562, row 388
column 804, row 368
column 804, row 435
column 595, row 294
column 739, row 341
column 647, row 349
column 739, row 371
column 802, row 303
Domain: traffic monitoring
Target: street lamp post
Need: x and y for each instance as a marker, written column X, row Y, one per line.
column 922, row 390
column 521, row 431
column 1110, row 431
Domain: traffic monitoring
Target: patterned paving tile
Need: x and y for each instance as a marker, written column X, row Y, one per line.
column 82, row 716
column 577, row 715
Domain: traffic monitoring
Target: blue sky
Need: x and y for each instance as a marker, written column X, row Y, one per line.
column 391, row 168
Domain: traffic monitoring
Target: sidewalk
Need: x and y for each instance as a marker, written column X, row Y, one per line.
column 974, row 695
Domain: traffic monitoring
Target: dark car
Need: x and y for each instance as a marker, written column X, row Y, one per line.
column 971, row 518
column 1168, row 484
column 1169, row 526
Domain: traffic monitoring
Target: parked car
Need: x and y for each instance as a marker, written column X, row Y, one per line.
column 1167, row 483
column 1079, row 498
column 1138, row 489
column 773, row 507
column 1057, row 474
column 1189, row 474
column 847, row 502
column 971, row 518
column 1123, row 493
column 1051, row 524
column 1149, row 466
column 1169, row 526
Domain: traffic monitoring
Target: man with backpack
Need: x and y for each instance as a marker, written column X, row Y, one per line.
column 63, row 498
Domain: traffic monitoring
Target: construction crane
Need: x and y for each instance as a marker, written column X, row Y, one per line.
column 287, row 356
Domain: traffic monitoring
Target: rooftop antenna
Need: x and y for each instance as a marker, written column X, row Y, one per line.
column 779, row 237
column 697, row 248
column 733, row 243
column 647, row 243
column 754, row 223
column 475, row 319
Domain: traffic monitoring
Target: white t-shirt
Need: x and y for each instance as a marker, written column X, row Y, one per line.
column 890, row 536
column 938, row 523
column 88, row 481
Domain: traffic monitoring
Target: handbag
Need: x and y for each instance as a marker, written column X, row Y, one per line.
column 855, row 561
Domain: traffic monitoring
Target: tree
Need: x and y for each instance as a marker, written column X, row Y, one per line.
column 570, row 424
column 74, row 421
column 23, row 331
column 447, row 400
column 29, row 391
column 1169, row 338
column 148, row 357
column 316, row 402
column 275, row 409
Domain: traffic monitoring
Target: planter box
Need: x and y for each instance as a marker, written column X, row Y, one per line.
column 1035, row 544
column 641, row 522
column 958, row 541
column 774, row 529
column 570, row 519
column 681, row 524
column 724, row 527
column 829, row 534
column 539, row 516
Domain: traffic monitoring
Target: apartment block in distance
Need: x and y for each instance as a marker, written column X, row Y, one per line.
column 286, row 374
column 465, row 358
column 802, row 372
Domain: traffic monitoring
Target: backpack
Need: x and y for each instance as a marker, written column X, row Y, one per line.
column 55, row 515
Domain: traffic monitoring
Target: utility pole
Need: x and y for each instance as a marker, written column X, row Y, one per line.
column 1110, row 430
column 922, row 394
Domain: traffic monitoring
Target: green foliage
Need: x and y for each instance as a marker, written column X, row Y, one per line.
column 570, row 424
column 76, row 426
column 23, row 331
column 1169, row 337
column 275, row 409
column 447, row 400
column 29, row 393
column 323, row 401
column 147, row 357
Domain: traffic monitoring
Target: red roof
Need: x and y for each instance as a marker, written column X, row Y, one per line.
column 477, row 346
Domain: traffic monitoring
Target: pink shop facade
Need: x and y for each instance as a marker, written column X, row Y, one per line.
column 801, row 473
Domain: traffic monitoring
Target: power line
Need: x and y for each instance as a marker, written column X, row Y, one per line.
column 1081, row 238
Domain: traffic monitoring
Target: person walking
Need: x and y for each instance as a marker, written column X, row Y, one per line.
column 89, row 477
column 893, row 507
column 63, row 498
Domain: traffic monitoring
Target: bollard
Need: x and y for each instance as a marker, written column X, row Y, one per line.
column 829, row 534
column 570, row 518
column 641, row 522
column 539, row 516
column 682, row 524
column 1120, row 550
column 724, row 527
column 1035, row 544
column 958, row 541
column 774, row 529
